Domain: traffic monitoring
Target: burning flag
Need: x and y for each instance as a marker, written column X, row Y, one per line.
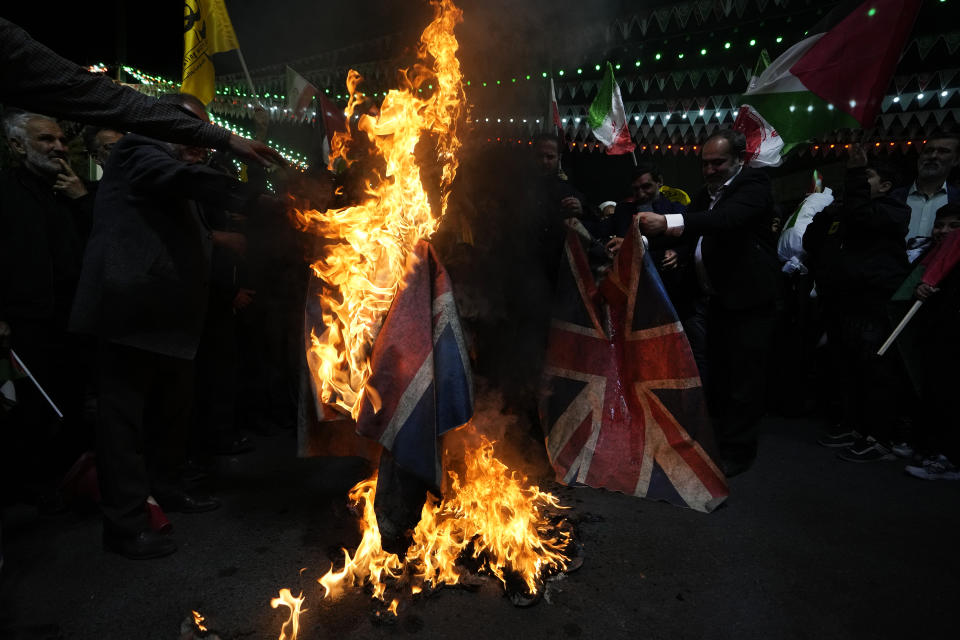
column 624, row 407
column 421, row 370
column 835, row 78
column 607, row 117
column 365, row 269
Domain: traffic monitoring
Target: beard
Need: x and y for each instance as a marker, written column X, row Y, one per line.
column 43, row 163
column 931, row 169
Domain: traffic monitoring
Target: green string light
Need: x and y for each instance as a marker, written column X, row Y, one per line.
column 779, row 39
column 703, row 52
column 753, row 43
column 657, row 57
column 726, row 45
column 637, row 63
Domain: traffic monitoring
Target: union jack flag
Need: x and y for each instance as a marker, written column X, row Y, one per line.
column 623, row 405
column 421, row 371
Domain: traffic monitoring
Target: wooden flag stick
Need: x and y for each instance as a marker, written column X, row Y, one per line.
column 903, row 323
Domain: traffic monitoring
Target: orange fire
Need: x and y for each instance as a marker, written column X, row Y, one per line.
column 198, row 620
column 491, row 511
column 364, row 270
column 292, row 626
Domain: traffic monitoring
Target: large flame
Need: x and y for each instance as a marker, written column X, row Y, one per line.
column 492, row 515
column 363, row 271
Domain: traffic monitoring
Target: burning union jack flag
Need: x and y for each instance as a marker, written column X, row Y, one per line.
column 623, row 406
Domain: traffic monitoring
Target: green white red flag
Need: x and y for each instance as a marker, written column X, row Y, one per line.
column 608, row 119
column 833, row 79
column 300, row 92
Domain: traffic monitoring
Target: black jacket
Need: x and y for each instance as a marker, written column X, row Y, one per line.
column 739, row 246
column 146, row 271
column 40, row 247
column 856, row 247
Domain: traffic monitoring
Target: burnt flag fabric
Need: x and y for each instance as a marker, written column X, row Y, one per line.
column 421, row 371
column 623, row 407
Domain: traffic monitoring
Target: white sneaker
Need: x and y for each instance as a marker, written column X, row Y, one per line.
column 936, row 467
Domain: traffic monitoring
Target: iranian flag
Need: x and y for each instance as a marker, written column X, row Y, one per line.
column 300, row 92
column 833, row 79
column 608, row 119
column 554, row 113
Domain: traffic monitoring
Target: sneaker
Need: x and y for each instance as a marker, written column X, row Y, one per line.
column 838, row 439
column 902, row 449
column 866, row 450
column 935, row 468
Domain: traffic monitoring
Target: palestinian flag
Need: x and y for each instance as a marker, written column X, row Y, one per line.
column 833, row 79
column 607, row 118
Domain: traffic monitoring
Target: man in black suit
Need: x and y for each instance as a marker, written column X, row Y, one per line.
column 143, row 292
column 731, row 222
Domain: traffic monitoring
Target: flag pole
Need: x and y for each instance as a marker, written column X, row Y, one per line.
column 903, row 323
column 246, row 72
column 19, row 363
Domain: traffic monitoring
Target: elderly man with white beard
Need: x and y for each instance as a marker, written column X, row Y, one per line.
column 43, row 208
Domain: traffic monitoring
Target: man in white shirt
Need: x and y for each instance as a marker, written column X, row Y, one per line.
column 938, row 157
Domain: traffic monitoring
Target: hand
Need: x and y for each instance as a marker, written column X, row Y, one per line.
column 651, row 224
column 255, row 151
column 670, row 259
column 68, row 183
column 571, row 207
column 236, row 242
column 924, row 291
column 613, row 246
column 857, row 157
column 243, row 299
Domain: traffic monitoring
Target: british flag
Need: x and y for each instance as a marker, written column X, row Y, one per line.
column 421, row 371
column 623, row 405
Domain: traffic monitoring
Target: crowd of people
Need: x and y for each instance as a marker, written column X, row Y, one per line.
column 128, row 299
column 721, row 262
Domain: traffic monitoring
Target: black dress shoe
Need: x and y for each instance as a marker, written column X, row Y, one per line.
column 186, row 503
column 142, row 546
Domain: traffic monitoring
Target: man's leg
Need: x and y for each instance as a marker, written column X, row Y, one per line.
column 742, row 340
column 121, row 467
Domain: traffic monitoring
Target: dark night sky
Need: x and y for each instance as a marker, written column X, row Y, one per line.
column 268, row 32
column 282, row 30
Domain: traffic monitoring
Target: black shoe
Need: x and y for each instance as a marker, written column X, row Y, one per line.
column 141, row 546
column 839, row 439
column 866, row 450
column 186, row 503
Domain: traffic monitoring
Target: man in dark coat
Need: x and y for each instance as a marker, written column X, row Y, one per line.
column 731, row 224
column 43, row 207
column 143, row 292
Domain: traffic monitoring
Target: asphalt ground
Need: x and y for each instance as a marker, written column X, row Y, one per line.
column 807, row 546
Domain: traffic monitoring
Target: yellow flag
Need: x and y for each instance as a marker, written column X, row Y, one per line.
column 206, row 30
